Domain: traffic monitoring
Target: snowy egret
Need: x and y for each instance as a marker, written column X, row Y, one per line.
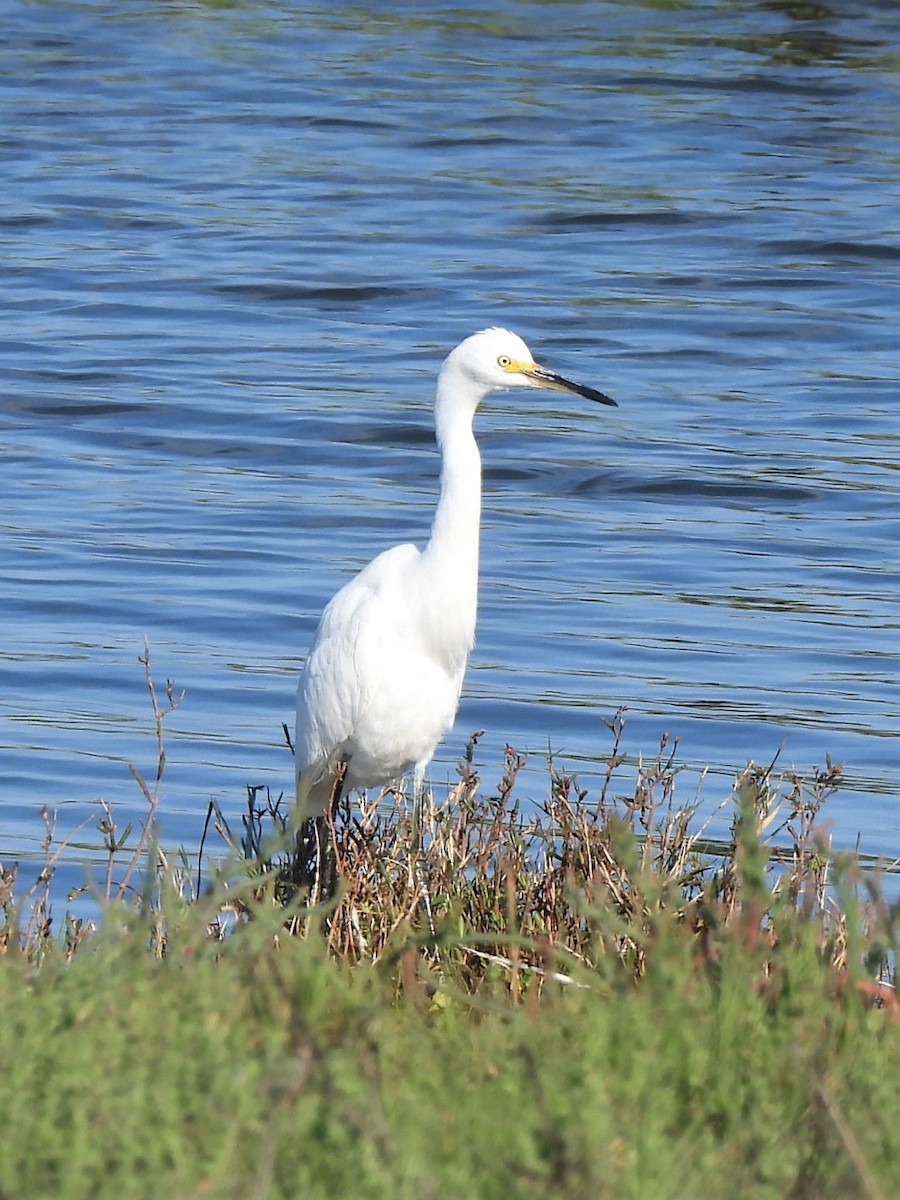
column 382, row 682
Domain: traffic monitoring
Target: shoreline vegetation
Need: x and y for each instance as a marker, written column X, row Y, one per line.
column 582, row 997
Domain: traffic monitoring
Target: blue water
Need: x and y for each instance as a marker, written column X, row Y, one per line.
column 237, row 242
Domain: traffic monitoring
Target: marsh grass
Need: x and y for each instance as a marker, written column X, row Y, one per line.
column 565, row 888
column 587, row 996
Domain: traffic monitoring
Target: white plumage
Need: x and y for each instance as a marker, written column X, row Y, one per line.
column 382, row 681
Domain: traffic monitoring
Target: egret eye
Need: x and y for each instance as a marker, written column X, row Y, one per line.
column 504, row 361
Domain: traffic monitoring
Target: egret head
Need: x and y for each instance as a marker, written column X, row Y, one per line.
column 495, row 359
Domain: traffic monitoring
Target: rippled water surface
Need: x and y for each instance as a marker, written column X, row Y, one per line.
column 238, row 241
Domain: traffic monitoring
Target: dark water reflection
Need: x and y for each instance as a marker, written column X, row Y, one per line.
column 237, row 242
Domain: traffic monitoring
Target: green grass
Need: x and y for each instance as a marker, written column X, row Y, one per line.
column 262, row 1066
column 595, row 1002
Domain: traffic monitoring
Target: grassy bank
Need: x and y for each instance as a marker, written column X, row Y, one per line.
column 584, row 1000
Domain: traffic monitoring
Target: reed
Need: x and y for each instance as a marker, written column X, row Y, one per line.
column 566, row 887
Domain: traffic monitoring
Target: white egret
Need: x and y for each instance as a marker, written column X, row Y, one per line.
column 382, row 682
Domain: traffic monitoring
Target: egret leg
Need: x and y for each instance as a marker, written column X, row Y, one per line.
column 315, row 858
column 326, row 863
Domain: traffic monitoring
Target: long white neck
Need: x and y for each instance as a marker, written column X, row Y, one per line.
column 451, row 556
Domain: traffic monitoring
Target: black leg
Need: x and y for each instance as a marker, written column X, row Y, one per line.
column 314, row 866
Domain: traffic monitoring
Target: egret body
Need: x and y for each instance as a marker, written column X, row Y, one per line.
column 381, row 684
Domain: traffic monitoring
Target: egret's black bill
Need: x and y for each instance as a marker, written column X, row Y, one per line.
column 558, row 383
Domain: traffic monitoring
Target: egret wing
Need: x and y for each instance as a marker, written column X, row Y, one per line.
column 341, row 671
